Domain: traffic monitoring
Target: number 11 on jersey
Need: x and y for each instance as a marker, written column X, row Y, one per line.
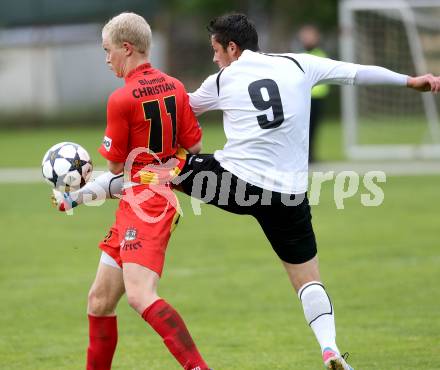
column 152, row 113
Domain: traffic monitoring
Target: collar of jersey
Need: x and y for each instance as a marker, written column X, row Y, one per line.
column 247, row 52
column 140, row 68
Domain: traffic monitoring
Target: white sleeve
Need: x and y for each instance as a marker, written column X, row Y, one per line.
column 103, row 187
column 327, row 71
column 374, row 75
column 324, row 70
column 205, row 98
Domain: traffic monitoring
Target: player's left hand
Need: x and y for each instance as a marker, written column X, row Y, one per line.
column 62, row 201
column 423, row 83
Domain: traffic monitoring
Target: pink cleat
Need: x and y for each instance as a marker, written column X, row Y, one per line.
column 334, row 361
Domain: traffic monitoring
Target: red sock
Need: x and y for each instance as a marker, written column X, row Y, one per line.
column 170, row 326
column 103, row 336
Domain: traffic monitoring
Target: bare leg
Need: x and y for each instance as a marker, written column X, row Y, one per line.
column 106, row 291
column 303, row 273
column 141, row 286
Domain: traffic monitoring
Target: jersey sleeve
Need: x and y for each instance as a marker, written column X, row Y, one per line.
column 375, row 75
column 189, row 132
column 327, row 71
column 114, row 147
column 205, row 98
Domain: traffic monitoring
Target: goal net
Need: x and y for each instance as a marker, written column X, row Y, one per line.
column 382, row 122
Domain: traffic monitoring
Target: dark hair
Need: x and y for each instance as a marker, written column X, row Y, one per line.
column 234, row 27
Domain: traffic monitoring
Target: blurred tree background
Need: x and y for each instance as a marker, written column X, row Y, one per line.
column 184, row 22
column 181, row 23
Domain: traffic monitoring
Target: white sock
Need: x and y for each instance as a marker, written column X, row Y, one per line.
column 319, row 314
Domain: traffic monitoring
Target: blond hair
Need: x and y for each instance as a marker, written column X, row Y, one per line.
column 129, row 27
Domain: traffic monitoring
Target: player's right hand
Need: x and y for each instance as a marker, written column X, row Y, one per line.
column 424, row 83
column 62, row 201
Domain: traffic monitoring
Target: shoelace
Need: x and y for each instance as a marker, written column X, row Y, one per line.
column 345, row 356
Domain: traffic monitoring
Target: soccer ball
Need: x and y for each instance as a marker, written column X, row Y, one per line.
column 67, row 166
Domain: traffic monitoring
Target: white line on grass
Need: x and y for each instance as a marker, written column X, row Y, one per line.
column 406, row 168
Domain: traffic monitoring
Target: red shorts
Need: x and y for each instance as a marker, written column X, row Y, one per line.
column 142, row 228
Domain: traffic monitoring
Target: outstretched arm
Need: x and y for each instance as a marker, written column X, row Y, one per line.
column 328, row 71
column 374, row 75
column 108, row 185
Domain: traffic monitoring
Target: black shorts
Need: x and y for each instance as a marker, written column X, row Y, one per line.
column 285, row 218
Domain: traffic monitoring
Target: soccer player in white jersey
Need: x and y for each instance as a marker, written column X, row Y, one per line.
column 262, row 170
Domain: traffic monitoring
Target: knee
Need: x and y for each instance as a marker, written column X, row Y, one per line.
column 134, row 301
column 140, row 301
column 99, row 303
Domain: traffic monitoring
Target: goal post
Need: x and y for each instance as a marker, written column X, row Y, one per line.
column 383, row 122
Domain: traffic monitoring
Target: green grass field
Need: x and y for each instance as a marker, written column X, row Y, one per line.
column 392, row 130
column 380, row 265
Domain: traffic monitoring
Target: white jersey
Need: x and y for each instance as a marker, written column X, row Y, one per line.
column 265, row 101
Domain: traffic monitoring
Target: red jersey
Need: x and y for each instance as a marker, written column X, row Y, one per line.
column 151, row 111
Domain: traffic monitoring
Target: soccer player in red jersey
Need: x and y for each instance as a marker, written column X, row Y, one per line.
column 151, row 111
